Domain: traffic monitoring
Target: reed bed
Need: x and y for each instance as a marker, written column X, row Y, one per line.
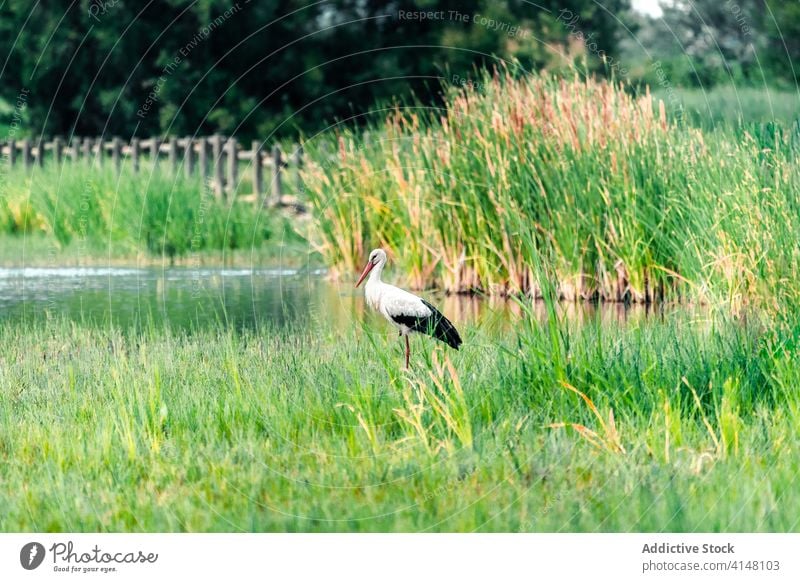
column 625, row 203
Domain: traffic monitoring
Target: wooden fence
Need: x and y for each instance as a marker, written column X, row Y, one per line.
column 216, row 158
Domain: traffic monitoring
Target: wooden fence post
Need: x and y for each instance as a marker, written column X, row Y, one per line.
column 40, row 152
column 276, row 186
column 75, row 149
column 116, row 157
column 233, row 166
column 258, row 171
column 298, row 163
column 216, row 153
column 58, row 150
column 155, row 150
column 98, row 142
column 188, row 157
column 87, row 149
column 172, row 155
column 26, row 153
column 135, row 153
column 12, row 152
column 203, row 160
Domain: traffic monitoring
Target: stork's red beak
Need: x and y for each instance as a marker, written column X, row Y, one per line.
column 366, row 271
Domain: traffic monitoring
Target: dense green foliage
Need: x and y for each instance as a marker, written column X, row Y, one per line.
column 182, row 67
column 673, row 423
column 711, row 42
column 251, row 69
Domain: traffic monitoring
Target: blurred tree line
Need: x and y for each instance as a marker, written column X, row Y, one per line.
column 118, row 67
column 253, row 67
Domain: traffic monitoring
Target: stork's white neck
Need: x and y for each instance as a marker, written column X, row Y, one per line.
column 373, row 290
column 375, row 274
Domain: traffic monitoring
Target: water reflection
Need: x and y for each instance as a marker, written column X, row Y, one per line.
column 185, row 298
column 181, row 298
column 343, row 303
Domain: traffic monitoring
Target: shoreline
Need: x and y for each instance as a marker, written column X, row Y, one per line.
column 33, row 251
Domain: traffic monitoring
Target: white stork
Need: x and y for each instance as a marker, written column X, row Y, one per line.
column 404, row 310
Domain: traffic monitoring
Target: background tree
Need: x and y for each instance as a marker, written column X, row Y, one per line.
column 708, row 42
column 110, row 67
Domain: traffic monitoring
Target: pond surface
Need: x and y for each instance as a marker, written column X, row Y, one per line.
column 191, row 298
column 182, row 298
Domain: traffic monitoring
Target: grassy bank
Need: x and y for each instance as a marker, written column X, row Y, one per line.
column 79, row 209
column 625, row 203
column 675, row 423
column 731, row 106
column 283, row 248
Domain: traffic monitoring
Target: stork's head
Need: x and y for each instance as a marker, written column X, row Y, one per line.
column 376, row 257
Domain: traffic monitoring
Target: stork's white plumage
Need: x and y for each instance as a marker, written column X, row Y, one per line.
column 404, row 310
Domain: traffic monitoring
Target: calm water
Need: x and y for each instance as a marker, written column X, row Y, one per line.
column 190, row 298
column 183, row 298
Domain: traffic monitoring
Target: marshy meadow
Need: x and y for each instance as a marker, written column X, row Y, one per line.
column 602, row 197
column 624, row 279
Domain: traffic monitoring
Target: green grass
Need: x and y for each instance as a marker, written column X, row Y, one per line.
column 88, row 210
column 37, row 250
column 321, row 430
column 731, row 106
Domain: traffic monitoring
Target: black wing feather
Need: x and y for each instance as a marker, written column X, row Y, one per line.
column 435, row 325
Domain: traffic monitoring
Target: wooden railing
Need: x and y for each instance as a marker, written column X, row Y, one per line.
column 216, row 158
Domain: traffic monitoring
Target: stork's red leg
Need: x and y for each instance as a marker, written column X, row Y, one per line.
column 408, row 352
